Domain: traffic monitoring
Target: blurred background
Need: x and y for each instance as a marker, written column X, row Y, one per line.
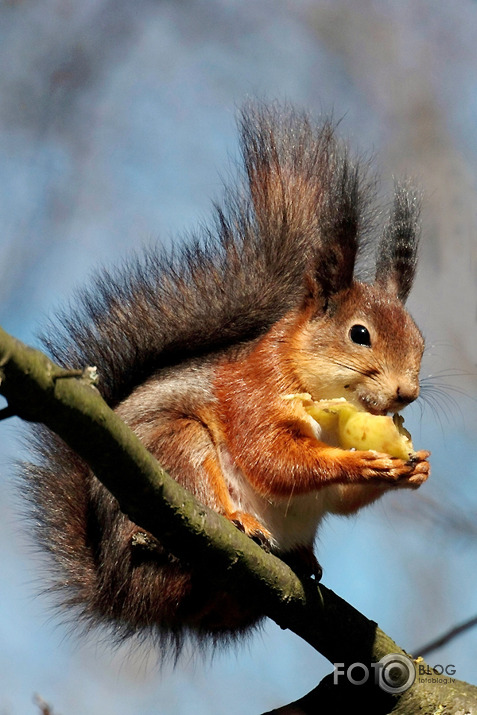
column 116, row 124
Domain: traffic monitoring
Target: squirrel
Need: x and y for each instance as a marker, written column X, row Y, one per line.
column 196, row 350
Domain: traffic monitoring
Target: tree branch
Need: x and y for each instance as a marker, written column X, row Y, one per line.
column 68, row 403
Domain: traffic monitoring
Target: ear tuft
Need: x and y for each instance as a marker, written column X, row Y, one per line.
column 397, row 250
column 343, row 221
column 339, row 230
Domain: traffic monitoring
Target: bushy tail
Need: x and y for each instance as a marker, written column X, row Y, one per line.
column 297, row 190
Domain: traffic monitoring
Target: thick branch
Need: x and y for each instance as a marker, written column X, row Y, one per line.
column 68, row 403
column 38, row 390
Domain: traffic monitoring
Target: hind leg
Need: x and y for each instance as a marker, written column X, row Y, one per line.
column 185, row 449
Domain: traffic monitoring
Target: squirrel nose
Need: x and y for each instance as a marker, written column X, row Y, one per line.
column 406, row 393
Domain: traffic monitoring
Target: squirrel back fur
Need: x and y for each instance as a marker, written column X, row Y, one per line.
column 180, row 339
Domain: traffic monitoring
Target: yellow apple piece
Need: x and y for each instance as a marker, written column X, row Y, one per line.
column 352, row 428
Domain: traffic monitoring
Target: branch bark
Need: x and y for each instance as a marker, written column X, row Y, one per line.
column 68, row 403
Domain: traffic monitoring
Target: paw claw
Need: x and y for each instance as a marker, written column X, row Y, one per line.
column 252, row 527
column 304, row 562
column 238, row 524
column 260, row 539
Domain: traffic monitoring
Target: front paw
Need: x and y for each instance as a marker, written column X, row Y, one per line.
column 392, row 471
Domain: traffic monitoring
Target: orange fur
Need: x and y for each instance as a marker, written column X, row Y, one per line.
column 266, row 437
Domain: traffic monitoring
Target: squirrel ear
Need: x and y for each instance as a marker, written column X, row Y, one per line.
column 397, row 250
column 340, row 226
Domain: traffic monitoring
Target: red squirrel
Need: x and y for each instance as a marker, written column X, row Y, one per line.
column 196, row 352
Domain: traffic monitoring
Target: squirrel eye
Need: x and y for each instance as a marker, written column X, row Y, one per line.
column 360, row 335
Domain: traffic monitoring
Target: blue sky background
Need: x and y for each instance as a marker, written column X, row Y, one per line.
column 116, row 125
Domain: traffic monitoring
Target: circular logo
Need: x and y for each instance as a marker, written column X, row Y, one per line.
column 396, row 673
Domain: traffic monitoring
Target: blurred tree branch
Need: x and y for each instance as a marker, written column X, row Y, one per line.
column 68, row 403
column 449, row 635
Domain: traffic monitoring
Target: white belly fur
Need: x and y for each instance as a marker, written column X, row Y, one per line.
column 292, row 521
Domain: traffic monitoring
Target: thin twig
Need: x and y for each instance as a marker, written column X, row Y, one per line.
column 447, row 636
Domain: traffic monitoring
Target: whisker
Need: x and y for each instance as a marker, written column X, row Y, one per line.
column 442, row 400
column 437, row 404
column 439, row 396
column 436, row 409
column 448, row 372
column 370, row 372
column 446, row 395
column 350, row 367
column 445, row 390
column 438, row 344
